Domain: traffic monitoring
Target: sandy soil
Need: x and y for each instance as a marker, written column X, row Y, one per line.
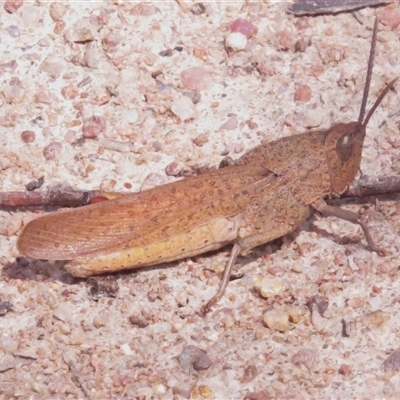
column 111, row 72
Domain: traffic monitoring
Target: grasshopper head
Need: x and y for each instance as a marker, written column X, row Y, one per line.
column 343, row 149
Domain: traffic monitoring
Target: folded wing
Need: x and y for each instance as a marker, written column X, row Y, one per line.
column 147, row 217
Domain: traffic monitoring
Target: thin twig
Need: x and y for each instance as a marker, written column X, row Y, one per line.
column 374, row 186
column 67, row 197
column 76, row 377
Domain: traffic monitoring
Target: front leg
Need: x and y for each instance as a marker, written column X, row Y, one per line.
column 327, row 210
column 236, row 250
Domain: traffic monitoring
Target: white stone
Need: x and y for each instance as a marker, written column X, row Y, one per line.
column 235, row 41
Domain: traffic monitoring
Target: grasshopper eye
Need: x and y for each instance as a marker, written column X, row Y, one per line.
column 344, row 147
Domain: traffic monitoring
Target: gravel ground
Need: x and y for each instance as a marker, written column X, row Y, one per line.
column 315, row 315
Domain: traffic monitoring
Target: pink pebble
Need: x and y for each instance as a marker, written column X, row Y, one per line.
column 390, row 17
column 230, row 124
column 93, row 126
column 152, row 180
column 12, row 6
column 303, row 93
column 52, row 151
column 196, row 78
column 243, row 26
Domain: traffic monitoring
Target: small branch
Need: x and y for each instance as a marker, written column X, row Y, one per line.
column 76, row 377
column 59, row 196
column 370, row 186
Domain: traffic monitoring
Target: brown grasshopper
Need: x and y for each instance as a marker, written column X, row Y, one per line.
column 269, row 192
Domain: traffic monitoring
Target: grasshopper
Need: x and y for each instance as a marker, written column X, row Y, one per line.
column 268, row 193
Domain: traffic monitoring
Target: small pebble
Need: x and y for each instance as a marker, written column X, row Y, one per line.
column 251, row 124
column 30, row 15
column 194, row 96
column 100, row 319
column 79, row 32
column 201, row 52
column 184, row 108
column 313, row 119
column 205, row 391
column 144, row 9
column 181, row 298
column 13, row 225
column 8, row 344
column 150, row 59
column 193, row 357
column 198, row 8
column 319, row 301
column 196, row 78
column 69, row 92
column 235, row 41
column 230, row 124
column 244, row 27
column 302, row 44
column 63, row 312
column 59, row 27
column 277, row 319
column 390, row 17
column 14, row 91
column 392, row 363
column 13, row 31
column 138, row 320
column 160, row 328
column 344, row 369
column 346, row 328
column 285, row 40
column 200, row 140
column 249, row 374
column 12, row 6
column 45, row 97
column 44, row 42
column 93, row 126
column 52, row 67
column 152, row 180
column 173, row 169
column 356, row 302
column 98, row 287
column 111, row 41
column 184, row 390
column 57, row 10
column 295, row 313
column 307, row 357
column 319, row 323
column 257, row 396
column 126, row 349
column 5, row 307
column 269, row 286
column 91, row 57
column 52, row 151
column 374, row 319
column 159, row 389
column 302, row 94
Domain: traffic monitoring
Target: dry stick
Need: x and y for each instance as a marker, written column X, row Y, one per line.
column 68, row 197
column 370, row 186
column 76, row 377
column 56, row 196
column 53, row 197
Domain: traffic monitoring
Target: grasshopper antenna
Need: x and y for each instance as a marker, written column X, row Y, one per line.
column 369, row 75
column 378, row 100
column 368, row 82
